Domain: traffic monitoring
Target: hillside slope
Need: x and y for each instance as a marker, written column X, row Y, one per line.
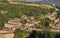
column 18, row 9
column 37, row 5
column 22, row 18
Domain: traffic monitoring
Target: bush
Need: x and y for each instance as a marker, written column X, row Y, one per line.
column 20, row 33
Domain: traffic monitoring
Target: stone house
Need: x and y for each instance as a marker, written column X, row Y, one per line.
column 13, row 24
column 6, row 34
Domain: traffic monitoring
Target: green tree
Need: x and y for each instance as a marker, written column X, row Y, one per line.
column 51, row 10
column 20, row 33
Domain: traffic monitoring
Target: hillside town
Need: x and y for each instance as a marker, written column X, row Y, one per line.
column 28, row 23
column 15, row 23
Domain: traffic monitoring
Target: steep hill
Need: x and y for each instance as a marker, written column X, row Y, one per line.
column 28, row 17
column 18, row 9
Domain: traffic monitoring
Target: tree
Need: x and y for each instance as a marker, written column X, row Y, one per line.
column 57, row 35
column 51, row 10
column 44, row 34
column 45, row 21
column 58, row 15
column 20, row 33
column 32, row 35
column 1, row 21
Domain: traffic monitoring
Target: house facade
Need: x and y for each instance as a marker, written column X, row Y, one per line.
column 13, row 24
